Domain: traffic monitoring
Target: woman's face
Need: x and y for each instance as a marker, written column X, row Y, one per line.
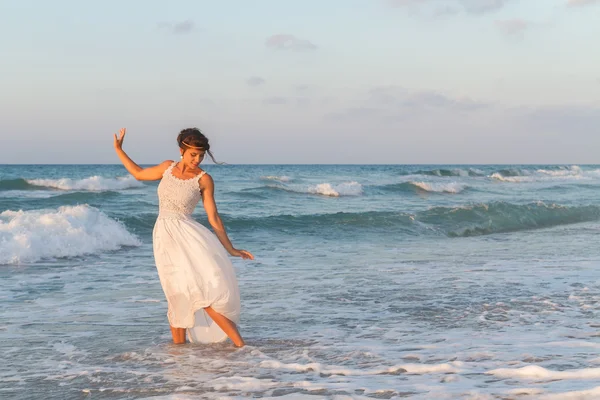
column 192, row 157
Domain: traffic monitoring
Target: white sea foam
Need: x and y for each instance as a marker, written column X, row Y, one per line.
column 574, row 170
column 525, row 391
column 324, row 189
column 147, row 301
column 590, row 394
column 544, row 175
column 416, row 369
column 452, row 172
column 177, row 396
column 342, row 189
column 69, row 231
column 452, row 187
column 92, row 184
column 27, row 194
column 576, row 343
column 478, row 396
column 537, row 372
column 243, row 383
column 282, row 178
column 498, row 176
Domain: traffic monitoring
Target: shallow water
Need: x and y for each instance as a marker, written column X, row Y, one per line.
column 471, row 282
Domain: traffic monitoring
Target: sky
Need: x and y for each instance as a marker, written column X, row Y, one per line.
column 302, row 82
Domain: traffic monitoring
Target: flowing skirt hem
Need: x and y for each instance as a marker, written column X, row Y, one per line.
column 195, row 272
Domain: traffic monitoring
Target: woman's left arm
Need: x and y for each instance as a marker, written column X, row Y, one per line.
column 207, row 186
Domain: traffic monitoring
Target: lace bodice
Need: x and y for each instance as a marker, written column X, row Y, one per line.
column 176, row 195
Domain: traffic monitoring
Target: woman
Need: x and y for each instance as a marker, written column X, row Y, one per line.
column 195, row 273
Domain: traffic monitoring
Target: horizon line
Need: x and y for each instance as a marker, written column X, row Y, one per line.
column 313, row 164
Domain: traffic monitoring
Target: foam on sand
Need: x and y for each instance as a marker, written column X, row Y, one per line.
column 537, row 372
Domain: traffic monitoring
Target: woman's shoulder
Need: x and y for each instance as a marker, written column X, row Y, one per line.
column 205, row 181
column 205, row 176
column 164, row 166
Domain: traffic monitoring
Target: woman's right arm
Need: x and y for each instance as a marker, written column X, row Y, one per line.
column 141, row 174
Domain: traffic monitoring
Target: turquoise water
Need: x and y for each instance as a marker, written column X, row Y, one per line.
column 383, row 281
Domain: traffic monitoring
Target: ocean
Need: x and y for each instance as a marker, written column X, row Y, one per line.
column 370, row 281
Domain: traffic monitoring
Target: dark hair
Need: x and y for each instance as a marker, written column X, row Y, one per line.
column 192, row 137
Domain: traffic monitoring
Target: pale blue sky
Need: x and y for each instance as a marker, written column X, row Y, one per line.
column 312, row 81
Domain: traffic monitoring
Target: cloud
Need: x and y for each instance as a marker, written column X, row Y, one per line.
column 433, row 109
column 394, row 104
column 255, row 81
column 179, row 28
column 469, row 6
column 300, row 101
column 563, row 118
column 354, row 113
column 401, row 3
column 445, row 11
column 578, row 3
column 399, row 97
column 303, row 101
column 302, row 88
column 512, row 27
column 438, row 100
column 423, row 125
column 482, row 6
column 285, row 42
column 275, row 100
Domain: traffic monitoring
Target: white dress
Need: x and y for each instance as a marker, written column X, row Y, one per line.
column 193, row 267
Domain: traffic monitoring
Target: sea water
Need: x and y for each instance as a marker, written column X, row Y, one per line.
column 370, row 281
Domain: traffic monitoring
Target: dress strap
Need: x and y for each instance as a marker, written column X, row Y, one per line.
column 169, row 168
column 196, row 180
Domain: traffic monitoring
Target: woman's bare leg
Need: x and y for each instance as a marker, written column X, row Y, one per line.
column 178, row 335
column 227, row 326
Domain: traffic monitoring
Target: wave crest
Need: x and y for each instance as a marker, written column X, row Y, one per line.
column 282, row 178
column 500, row 217
column 342, row 189
column 451, row 172
column 15, row 184
column 69, row 231
column 465, row 221
column 439, row 187
column 412, row 187
column 92, row 184
column 324, row 189
column 562, row 173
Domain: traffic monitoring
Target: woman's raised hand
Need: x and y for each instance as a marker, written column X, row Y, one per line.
column 119, row 139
